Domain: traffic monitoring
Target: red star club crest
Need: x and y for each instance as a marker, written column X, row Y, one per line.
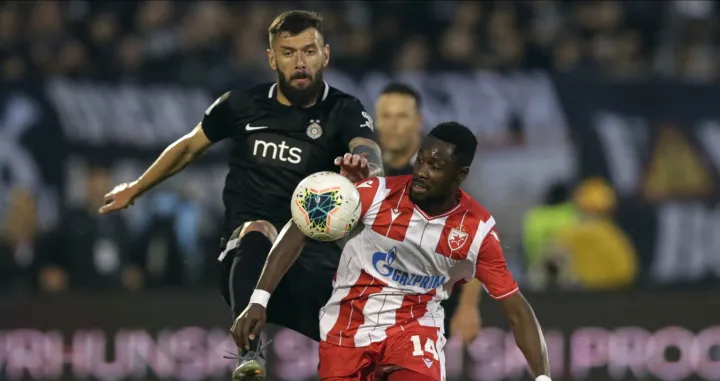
column 457, row 238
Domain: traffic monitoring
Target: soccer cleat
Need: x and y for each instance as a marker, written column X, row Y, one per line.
column 251, row 367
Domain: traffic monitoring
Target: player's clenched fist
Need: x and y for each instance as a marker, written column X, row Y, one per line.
column 121, row 197
column 354, row 167
column 248, row 325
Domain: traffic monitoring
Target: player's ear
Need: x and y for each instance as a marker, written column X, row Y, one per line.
column 326, row 55
column 271, row 59
column 463, row 174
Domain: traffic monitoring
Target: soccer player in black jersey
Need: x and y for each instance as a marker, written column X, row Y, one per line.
column 281, row 132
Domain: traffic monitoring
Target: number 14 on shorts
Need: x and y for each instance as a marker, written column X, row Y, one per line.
column 429, row 347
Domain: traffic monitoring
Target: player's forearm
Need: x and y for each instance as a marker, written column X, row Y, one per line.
column 470, row 294
column 527, row 332
column 371, row 151
column 284, row 253
column 174, row 159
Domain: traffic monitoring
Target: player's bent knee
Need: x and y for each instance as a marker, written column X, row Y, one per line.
column 261, row 226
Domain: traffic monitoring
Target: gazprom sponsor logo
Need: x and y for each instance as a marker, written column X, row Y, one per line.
column 383, row 264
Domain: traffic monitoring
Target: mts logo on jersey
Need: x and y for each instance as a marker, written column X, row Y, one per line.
column 278, row 150
column 382, row 262
column 282, row 151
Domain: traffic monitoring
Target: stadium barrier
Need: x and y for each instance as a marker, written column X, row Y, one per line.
column 182, row 335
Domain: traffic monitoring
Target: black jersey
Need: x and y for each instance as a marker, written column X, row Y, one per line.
column 276, row 146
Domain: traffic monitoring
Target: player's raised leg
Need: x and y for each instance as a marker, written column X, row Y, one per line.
column 242, row 261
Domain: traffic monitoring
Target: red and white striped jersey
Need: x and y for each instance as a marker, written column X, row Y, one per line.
column 395, row 270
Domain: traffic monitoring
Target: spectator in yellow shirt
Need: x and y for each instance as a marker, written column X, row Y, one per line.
column 595, row 253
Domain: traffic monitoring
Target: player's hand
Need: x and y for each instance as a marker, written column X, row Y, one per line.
column 248, row 325
column 121, row 197
column 466, row 323
column 354, row 167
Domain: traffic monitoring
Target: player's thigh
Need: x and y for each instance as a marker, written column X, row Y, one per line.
column 297, row 300
column 346, row 363
column 418, row 349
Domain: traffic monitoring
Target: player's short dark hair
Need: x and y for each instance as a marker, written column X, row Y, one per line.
column 461, row 137
column 401, row 88
column 295, row 22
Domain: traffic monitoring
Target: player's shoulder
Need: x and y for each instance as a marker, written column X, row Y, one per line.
column 340, row 99
column 474, row 208
column 240, row 98
column 370, row 185
column 390, row 183
column 258, row 93
column 395, row 183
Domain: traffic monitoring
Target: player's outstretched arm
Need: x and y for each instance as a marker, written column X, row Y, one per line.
column 283, row 254
column 175, row 157
column 528, row 335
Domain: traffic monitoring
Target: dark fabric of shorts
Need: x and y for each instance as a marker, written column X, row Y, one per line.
column 297, row 300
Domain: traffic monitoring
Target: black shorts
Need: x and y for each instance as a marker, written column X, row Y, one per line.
column 297, row 300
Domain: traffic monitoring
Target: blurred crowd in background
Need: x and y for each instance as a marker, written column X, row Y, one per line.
column 569, row 240
column 214, row 43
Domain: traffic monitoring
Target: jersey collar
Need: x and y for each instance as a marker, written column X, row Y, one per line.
column 271, row 93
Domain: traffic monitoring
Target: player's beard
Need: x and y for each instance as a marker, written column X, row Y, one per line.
column 297, row 96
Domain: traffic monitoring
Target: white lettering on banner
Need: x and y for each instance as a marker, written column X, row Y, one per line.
column 190, row 353
column 495, row 356
column 687, row 243
column 18, row 117
column 147, row 117
column 486, row 102
column 709, row 137
column 297, row 356
column 621, row 138
column 194, row 353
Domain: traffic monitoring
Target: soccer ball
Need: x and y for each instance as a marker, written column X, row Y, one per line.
column 325, row 206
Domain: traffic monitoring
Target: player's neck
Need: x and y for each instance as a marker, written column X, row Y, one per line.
column 438, row 207
column 400, row 158
column 286, row 102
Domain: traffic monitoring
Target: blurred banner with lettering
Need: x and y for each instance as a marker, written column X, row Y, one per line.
column 31, row 147
column 183, row 336
column 659, row 144
column 125, row 126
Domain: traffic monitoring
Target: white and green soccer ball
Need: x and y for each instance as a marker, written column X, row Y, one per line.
column 326, row 206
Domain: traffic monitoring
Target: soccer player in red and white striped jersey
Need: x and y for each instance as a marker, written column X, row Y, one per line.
column 420, row 236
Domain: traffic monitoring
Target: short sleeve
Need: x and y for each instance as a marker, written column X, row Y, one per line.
column 491, row 268
column 357, row 123
column 368, row 189
column 220, row 118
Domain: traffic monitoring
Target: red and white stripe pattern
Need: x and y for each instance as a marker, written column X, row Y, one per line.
column 376, row 294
